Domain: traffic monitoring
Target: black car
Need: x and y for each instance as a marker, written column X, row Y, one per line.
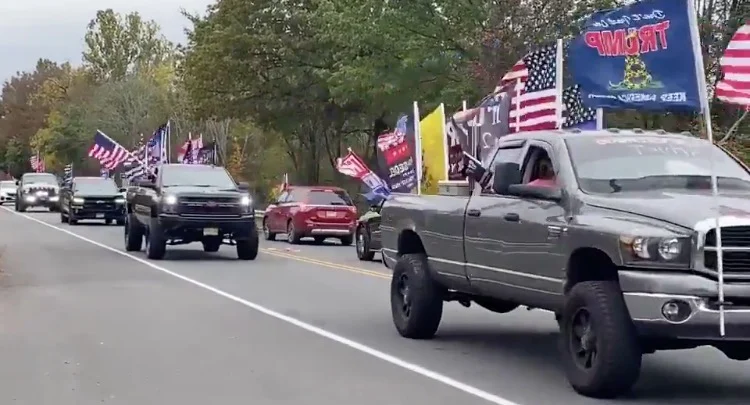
column 38, row 190
column 91, row 198
column 191, row 203
column 368, row 234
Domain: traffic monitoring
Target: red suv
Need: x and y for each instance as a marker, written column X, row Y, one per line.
column 318, row 212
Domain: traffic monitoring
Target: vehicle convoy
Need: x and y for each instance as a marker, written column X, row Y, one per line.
column 191, row 203
column 318, row 212
column 86, row 198
column 7, row 191
column 367, row 234
column 612, row 230
column 37, row 190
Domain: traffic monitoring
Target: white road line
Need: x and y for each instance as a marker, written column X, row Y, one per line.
column 492, row 398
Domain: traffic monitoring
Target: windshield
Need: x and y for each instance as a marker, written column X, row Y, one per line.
column 197, row 176
column 629, row 163
column 95, row 186
column 328, row 197
column 41, row 178
column 7, row 184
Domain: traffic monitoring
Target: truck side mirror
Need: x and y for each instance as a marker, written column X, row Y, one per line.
column 506, row 175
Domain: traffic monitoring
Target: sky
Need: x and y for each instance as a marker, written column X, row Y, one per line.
column 54, row 29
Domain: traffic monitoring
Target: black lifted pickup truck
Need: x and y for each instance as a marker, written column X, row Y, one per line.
column 618, row 240
column 191, row 203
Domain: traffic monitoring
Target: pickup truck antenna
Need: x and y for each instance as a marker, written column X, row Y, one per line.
column 706, row 110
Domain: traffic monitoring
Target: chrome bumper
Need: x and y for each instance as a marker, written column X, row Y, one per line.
column 330, row 231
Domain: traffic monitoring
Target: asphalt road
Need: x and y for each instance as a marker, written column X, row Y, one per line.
column 83, row 323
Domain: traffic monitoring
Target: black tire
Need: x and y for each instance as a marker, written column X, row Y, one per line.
column 291, row 234
column 347, row 240
column 617, row 362
column 267, row 234
column 20, row 207
column 156, row 247
column 63, row 217
column 416, row 300
column 133, row 234
column 108, row 222
column 247, row 249
column 120, row 222
column 362, row 236
column 211, row 245
column 54, row 209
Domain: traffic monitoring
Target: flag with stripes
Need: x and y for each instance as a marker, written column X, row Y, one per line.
column 157, row 146
column 37, row 163
column 109, row 153
column 135, row 173
column 532, row 83
column 734, row 88
column 575, row 113
column 353, row 166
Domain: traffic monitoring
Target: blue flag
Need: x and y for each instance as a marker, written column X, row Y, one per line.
column 638, row 57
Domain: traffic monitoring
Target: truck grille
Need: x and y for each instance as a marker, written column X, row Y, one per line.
column 209, row 206
column 33, row 190
column 735, row 243
column 99, row 204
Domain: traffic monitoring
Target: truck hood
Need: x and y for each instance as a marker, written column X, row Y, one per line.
column 679, row 208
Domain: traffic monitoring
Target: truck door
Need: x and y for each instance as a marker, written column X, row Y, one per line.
column 486, row 235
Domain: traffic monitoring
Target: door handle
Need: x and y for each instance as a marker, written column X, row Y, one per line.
column 474, row 213
column 511, row 216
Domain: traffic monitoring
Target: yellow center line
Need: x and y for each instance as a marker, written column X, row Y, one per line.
column 333, row 265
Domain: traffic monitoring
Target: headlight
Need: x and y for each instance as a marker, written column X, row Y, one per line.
column 30, row 198
column 671, row 249
column 77, row 200
column 54, row 198
column 246, row 200
column 120, row 200
column 170, row 199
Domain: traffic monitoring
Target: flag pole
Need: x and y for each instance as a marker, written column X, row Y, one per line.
column 599, row 118
column 706, row 110
column 559, row 81
column 464, row 105
column 418, row 147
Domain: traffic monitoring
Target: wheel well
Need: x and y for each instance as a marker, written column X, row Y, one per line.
column 589, row 264
column 409, row 242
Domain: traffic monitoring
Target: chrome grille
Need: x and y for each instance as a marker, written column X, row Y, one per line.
column 99, row 204
column 33, row 190
column 735, row 243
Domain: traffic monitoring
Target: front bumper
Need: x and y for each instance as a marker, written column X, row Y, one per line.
column 92, row 213
column 48, row 202
column 237, row 226
column 647, row 292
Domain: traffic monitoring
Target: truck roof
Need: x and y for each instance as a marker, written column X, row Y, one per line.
column 577, row 133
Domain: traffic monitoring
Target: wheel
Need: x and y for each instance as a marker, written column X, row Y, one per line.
column 267, row 232
column 63, row 218
column 54, row 209
column 211, row 245
column 133, row 234
column 156, row 243
column 319, row 240
column 416, row 300
column 108, row 221
column 20, row 207
column 601, row 353
column 347, row 240
column 247, row 249
column 120, row 222
column 363, row 244
column 291, row 235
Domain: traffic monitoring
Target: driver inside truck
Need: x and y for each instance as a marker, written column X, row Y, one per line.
column 545, row 175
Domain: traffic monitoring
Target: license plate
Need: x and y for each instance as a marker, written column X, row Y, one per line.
column 331, row 214
column 100, row 215
column 210, row 232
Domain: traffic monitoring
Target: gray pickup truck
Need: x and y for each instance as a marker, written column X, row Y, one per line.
column 617, row 240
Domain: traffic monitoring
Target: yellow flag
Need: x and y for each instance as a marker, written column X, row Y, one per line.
column 434, row 153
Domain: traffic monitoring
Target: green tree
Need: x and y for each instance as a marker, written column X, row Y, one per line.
column 118, row 45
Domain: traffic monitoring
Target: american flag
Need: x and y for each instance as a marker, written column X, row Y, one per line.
column 68, row 173
column 109, row 153
column 37, row 163
column 534, row 94
column 734, row 88
column 136, row 172
column 138, row 153
column 575, row 114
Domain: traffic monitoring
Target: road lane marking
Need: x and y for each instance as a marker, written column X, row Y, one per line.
column 334, row 265
column 433, row 375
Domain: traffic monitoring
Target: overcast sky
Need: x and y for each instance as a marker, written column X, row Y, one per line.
column 54, row 29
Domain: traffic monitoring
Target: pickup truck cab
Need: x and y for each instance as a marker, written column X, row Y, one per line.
column 183, row 204
column 618, row 240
